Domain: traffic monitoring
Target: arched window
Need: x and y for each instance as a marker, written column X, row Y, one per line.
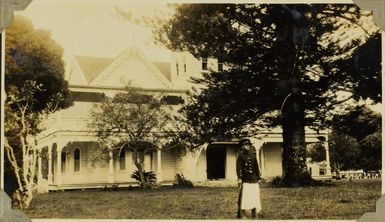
column 77, row 160
column 122, row 159
column 63, row 162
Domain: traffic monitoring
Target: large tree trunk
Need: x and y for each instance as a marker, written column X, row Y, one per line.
column 294, row 148
column 292, row 33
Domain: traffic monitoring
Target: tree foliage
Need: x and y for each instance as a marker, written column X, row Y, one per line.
column 33, row 55
column 344, row 152
column 34, row 86
column 370, row 152
column 286, row 67
column 132, row 120
column 364, row 127
column 358, row 122
column 364, row 69
column 262, row 68
column 316, row 152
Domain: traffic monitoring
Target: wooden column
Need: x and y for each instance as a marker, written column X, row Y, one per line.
column 39, row 173
column 50, row 176
column 111, row 173
column 262, row 163
column 328, row 169
column 58, row 161
column 159, row 165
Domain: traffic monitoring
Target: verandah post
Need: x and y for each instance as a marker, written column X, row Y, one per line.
column 111, row 174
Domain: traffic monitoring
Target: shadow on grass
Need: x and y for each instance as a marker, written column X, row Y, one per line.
column 303, row 182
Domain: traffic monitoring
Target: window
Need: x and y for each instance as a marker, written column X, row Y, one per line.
column 184, row 63
column 204, row 64
column 220, row 66
column 172, row 100
column 177, row 69
column 63, row 162
column 122, row 159
column 77, row 160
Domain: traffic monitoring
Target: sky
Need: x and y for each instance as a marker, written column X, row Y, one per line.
column 94, row 28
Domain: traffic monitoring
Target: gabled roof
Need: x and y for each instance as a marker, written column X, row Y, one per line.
column 132, row 65
column 92, row 66
column 100, row 71
column 164, row 67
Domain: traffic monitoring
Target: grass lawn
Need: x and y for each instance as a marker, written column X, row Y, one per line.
column 339, row 200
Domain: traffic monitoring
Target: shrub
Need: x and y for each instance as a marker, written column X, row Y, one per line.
column 181, row 181
column 304, row 180
column 276, row 181
column 150, row 177
column 114, row 187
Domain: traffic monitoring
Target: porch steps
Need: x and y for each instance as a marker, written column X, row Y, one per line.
column 90, row 186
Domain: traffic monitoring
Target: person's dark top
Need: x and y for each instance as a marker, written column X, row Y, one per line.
column 247, row 168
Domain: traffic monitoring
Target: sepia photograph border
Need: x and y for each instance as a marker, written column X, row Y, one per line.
column 7, row 8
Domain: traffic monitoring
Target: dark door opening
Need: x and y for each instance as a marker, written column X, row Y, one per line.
column 216, row 162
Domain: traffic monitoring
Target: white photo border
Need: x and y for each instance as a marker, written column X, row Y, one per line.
column 7, row 7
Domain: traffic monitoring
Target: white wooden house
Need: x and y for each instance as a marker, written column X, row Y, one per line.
column 67, row 144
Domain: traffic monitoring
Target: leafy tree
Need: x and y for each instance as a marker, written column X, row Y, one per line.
column 344, row 151
column 370, row 152
column 33, row 55
column 285, row 68
column 363, row 125
column 364, row 69
column 358, row 122
column 316, row 152
column 133, row 121
column 34, row 86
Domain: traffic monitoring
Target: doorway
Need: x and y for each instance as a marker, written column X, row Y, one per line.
column 216, row 162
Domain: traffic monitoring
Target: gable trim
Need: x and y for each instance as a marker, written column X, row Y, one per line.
column 124, row 55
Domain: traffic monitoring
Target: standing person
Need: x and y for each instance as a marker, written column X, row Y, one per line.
column 248, row 177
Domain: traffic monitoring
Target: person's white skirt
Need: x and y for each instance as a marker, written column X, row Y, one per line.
column 251, row 197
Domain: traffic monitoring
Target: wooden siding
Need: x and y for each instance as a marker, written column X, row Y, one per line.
column 201, row 167
column 231, row 160
column 87, row 173
column 272, row 159
column 169, row 168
